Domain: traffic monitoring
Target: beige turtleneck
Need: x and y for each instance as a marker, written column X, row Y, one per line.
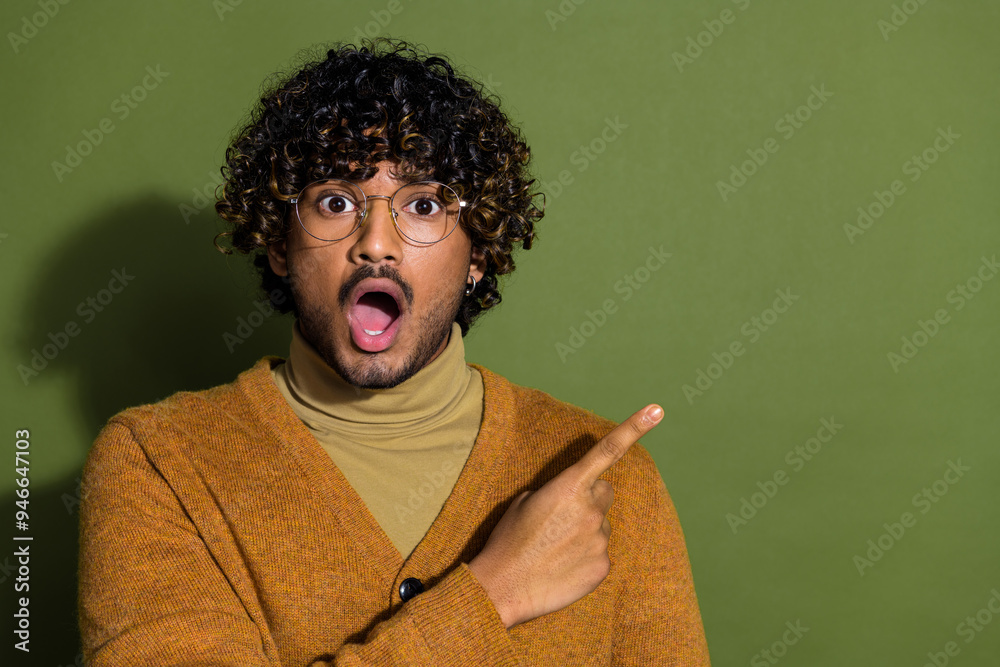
column 402, row 449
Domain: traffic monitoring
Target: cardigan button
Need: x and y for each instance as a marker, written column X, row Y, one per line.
column 409, row 588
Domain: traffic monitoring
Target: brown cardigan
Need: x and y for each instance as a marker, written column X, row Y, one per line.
column 216, row 531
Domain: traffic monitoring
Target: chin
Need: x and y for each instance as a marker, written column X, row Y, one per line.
column 373, row 371
column 377, row 370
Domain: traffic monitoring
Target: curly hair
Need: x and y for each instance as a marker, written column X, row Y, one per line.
column 340, row 116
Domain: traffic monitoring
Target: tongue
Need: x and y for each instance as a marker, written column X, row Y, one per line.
column 375, row 311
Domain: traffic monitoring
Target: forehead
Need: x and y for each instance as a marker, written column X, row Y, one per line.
column 388, row 175
column 386, row 170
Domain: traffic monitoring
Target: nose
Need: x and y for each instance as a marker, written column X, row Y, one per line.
column 377, row 239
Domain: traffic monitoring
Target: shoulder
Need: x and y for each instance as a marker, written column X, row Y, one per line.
column 534, row 408
column 188, row 417
column 560, row 431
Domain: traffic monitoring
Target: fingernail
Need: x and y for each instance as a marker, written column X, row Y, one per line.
column 654, row 416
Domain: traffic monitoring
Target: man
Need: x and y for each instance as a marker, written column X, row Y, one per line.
column 373, row 499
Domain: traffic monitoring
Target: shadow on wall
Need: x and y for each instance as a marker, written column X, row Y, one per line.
column 149, row 300
column 134, row 307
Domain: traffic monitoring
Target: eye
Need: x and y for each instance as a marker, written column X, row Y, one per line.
column 423, row 206
column 336, row 203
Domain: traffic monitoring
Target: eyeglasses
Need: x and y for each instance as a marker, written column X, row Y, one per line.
column 424, row 212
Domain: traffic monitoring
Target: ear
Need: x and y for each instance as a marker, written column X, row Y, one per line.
column 477, row 267
column 277, row 257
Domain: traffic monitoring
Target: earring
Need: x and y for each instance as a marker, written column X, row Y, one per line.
column 470, row 290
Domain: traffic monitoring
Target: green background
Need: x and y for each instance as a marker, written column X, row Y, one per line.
column 563, row 75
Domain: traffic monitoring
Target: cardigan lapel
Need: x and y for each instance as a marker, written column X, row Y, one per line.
column 346, row 510
column 450, row 536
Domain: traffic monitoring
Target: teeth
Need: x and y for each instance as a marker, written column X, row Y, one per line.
column 374, row 333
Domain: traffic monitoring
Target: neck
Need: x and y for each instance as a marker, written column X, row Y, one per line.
column 434, row 390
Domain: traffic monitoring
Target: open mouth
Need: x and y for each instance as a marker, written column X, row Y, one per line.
column 375, row 314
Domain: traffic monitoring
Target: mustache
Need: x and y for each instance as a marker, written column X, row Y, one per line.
column 368, row 271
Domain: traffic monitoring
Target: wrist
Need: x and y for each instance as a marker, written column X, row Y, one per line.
column 502, row 605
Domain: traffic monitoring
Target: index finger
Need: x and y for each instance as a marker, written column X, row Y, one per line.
column 613, row 446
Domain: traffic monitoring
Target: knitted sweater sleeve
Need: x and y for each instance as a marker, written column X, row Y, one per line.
column 153, row 590
column 658, row 618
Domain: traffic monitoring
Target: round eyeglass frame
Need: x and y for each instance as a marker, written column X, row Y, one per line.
column 294, row 201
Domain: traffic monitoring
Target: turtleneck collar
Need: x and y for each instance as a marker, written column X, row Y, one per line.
column 327, row 402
